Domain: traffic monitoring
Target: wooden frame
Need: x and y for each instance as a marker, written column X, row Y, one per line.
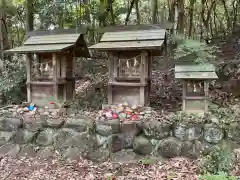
column 140, row 83
column 198, row 97
column 57, row 49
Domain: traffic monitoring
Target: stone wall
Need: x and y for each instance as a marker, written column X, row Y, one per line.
column 71, row 136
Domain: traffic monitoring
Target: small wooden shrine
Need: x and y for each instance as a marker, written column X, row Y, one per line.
column 50, row 63
column 196, row 78
column 130, row 52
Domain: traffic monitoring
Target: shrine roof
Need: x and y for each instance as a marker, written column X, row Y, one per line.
column 151, row 38
column 40, row 48
column 53, row 43
column 197, row 71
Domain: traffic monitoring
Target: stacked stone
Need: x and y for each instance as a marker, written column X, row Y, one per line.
column 177, row 139
column 71, row 136
column 43, row 136
column 124, row 112
column 116, row 135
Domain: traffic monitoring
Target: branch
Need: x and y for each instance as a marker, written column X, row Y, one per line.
column 129, row 12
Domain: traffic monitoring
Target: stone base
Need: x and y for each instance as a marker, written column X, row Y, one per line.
column 74, row 136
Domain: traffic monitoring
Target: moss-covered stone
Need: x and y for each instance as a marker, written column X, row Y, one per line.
column 156, row 129
column 169, row 147
column 142, row 145
column 233, row 132
column 79, row 123
column 24, row 136
column 213, row 134
column 188, row 132
column 45, row 137
column 106, row 128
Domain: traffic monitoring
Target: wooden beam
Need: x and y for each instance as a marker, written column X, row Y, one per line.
column 206, row 86
column 111, row 79
column 184, row 96
column 127, row 84
column 150, row 59
column 73, row 75
column 29, row 72
column 55, row 76
column 142, row 78
column 63, row 75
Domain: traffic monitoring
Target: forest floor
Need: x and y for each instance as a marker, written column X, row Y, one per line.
column 56, row 169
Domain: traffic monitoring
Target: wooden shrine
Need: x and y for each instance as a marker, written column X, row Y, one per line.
column 196, row 78
column 50, row 62
column 130, row 52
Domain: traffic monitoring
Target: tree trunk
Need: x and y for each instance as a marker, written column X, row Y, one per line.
column 171, row 10
column 138, row 12
column 4, row 44
column 191, row 9
column 30, row 18
column 154, row 11
column 180, row 16
column 87, row 11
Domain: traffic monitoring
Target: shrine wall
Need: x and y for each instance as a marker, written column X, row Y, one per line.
column 72, row 136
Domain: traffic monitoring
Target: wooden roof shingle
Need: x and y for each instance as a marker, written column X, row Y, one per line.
column 197, row 71
column 53, row 43
column 144, row 39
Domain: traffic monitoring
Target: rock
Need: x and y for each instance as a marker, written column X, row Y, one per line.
column 45, row 153
column 124, row 156
column 72, row 153
column 170, row 147
column 187, row 132
column 99, row 155
column 84, row 141
column 14, row 150
column 10, row 124
column 213, row 134
column 9, row 149
column 45, row 137
column 191, row 149
column 24, row 136
column 106, row 128
column 28, row 150
column 116, row 142
column 4, row 149
column 129, row 130
column 63, row 135
column 6, row 136
column 33, row 123
column 54, row 122
column 142, row 145
column 102, row 140
column 156, row 129
column 233, row 132
column 79, row 124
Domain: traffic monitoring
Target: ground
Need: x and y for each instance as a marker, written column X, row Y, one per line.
column 51, row 169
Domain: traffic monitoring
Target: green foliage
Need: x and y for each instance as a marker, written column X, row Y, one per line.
column 189, row 50
column 219, row 176
column 189, row 117
column 218, row 160
column 12, row 79
column 221, row 116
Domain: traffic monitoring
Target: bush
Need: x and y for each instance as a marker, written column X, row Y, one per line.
column 219, row 176
column 218, row 160
column 12, row 80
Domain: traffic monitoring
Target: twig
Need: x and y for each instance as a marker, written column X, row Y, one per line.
column 7, row 175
